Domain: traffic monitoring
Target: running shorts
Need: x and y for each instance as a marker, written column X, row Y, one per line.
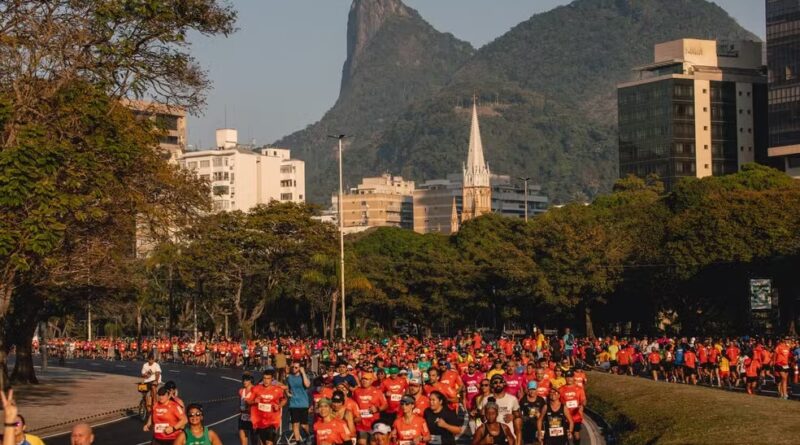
column 298, row 415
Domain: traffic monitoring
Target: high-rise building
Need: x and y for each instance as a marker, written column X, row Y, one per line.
column 477, row 191
column 172, row 120
column 383, row 201
column 783, row 60
column 698, row 110
column 509, row 198
column 242, row 178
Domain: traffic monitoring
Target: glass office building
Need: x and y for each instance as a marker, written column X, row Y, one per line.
column 783, row 51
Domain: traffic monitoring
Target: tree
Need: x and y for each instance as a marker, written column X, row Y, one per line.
column 69, row 151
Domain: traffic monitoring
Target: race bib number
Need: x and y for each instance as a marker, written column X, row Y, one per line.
column 265, row 407
column 572, row 404
column 555, row 432
column 366, row 414
column 395, row 397
column 436, row 439
column 159, row 428
column 472, row 389
column 406, row 442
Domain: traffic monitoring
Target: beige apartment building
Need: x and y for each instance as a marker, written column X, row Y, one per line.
column 698, row 110
column 171, row 119
column 383, row 201
column 242, row 177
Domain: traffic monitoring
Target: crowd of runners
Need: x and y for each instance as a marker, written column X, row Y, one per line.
column 404, row 390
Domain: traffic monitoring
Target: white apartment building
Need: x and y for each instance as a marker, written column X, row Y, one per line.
column 242, row 178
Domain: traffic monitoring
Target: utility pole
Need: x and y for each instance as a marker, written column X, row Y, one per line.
column 341, row 234
column 89, row 323
column 525, row 180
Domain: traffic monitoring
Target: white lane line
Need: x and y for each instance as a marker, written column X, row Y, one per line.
column 172, row 370
column 230, row 378
column 592, row 430
column 200, row 373
column 94, row 425
column 94, row 364
column 209, row 425
column 119, row 366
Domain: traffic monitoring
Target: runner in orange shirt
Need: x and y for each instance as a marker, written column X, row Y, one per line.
column 410, row 429
column 574, row 398
column 394, row 387
column 266, row 404
column 421, row 401
column 654, row 359
column 370, row 402
column 328, row 429
column 782, row 353
column 167, row 419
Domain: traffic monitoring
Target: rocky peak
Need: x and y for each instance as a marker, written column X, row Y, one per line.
column 365, row 20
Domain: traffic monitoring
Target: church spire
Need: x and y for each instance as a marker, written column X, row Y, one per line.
column 476, row 172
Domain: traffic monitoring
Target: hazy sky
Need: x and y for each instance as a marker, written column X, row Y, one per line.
column 281, row 71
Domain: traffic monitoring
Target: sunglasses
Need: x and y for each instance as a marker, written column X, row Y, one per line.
column 196, row 415
column 17, row 423
column 484, row 384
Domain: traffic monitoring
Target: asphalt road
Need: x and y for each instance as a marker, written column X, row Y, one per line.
column 194, row 385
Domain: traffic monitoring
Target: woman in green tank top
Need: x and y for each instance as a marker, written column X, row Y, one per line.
column 195, row 433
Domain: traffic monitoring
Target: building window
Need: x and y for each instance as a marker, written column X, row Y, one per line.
column 205, row 164
column 286, row 183
column 286, row 196
column 192, row 165
column 205, row 177
column 217, row 161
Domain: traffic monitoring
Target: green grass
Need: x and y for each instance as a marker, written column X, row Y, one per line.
column 647, row 412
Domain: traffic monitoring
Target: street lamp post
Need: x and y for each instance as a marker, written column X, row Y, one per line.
column 341, row 234
column 525, row 180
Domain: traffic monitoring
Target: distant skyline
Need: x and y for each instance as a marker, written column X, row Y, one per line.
column 281, row 71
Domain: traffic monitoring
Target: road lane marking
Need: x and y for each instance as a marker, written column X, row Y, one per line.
column 172, row 370
column 230, row 378
column 200, row 373
column 209, row 425
column 119, row 366
column 94, row 364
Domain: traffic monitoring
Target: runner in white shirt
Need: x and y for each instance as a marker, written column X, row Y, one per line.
column 151, row 373
column 508, row 406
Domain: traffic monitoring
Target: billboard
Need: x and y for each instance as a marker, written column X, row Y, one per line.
column 760, row 294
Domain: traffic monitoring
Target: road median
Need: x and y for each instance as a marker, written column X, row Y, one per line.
column 646, row 412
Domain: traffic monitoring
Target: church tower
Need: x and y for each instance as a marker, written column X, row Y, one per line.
column 477, row 190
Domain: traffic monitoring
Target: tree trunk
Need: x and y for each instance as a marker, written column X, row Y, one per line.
column 27, row 306
column 587, row 311
column 6, row 290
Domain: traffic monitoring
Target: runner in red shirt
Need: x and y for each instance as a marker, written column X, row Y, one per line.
column 690, row 365
column 782, row 352
column 472, row 381
column 574, row 398
column 654, row 359
column 410, row 429
column 167, row 419
column 328, row 429
column 266, row 405
column 421, row 401
column 752, row 366
column 394, row 387
column 370, row 402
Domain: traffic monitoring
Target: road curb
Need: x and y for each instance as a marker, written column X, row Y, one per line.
column 606, row 430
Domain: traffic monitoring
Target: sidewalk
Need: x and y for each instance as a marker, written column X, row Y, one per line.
column 65, row 395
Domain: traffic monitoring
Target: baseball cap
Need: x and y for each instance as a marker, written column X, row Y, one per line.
column 381, row 428
column 532, row 384
column 407, row 400
column 338, row 397
column 323, row 401
column 414, row 381
column 570, row 373
column 163, row 391
column 498, row 377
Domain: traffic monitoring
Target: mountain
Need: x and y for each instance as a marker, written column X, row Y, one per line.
column 546, row 91
column 394, row 58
